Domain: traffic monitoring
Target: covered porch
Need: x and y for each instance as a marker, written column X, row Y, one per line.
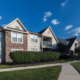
column 47, row 42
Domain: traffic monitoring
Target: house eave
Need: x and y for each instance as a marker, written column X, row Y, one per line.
column 34, row 33
column 16, row 30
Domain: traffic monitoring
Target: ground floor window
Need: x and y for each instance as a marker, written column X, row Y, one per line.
column 34, row 49
column 12, row 50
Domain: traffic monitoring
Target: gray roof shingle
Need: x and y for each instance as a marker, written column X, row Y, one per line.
column 69, row 42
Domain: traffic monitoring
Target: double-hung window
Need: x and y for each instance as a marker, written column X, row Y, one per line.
column 34, row 38
column 34, row 49
column 16, row 37
column 19, row 37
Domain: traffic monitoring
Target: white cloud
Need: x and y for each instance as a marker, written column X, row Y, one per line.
column 64, row 3
column 68, row 27
column 55, row 22
column 44, row 19
column 0, row 17
column 46, row 15
column 75, row 31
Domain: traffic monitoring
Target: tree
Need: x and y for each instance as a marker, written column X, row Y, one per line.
column 62, row 48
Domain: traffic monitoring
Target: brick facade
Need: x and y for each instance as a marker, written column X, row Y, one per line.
column 9, row 45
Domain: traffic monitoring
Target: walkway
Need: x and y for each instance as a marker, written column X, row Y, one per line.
column 69, row 73
column 29, row 67
column 34, row 67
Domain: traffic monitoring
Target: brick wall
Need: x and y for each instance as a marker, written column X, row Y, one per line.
column 9, row 45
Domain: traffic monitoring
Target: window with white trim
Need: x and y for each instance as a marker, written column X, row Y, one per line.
column 34, row 49
column 13, row 50
column 34, row 38
column 16, row 37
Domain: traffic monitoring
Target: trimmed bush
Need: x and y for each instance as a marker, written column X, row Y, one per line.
column 28, row 57
column 73, row 57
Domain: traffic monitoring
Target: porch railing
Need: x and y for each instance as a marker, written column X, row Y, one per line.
column 47, row 44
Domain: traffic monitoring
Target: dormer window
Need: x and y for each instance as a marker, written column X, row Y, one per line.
column 16, row 37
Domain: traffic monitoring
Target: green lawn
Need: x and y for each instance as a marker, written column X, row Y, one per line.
column 31, row 64
column 48, row 73
column 76, row 65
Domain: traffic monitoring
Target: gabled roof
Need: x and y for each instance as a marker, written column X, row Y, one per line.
column 42, row 31
column 63, row 41
column 71, row 41
column 34, row 33
column 6, row 27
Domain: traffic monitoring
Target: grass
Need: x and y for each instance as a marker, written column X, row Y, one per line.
column 31, row 64
column 76, row 65
column 48, row 73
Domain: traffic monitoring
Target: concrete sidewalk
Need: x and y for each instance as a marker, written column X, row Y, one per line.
column 34, row 67
column 69, row 73
column 29, row 67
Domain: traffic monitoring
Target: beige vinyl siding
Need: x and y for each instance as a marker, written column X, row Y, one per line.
column 73, row 46
column 34, row 44
column 49, row 34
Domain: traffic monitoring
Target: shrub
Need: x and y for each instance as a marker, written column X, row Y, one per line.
column 28, row 57
column 72, row 57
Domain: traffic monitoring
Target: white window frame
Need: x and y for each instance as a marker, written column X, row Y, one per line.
column 12, row 50
column 34, row 49
column 33, row 39
column 17, row 38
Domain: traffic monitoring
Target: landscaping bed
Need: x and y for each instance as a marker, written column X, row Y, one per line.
column 76, row 65
column 48, row 73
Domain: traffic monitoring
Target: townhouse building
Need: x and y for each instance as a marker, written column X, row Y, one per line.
column 15, row 37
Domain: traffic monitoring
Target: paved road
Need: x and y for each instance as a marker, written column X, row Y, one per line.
column 69, row 73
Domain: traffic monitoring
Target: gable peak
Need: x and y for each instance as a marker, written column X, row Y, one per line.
column 14, row 22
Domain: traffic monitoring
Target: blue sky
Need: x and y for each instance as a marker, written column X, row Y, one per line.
column 62, row 15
